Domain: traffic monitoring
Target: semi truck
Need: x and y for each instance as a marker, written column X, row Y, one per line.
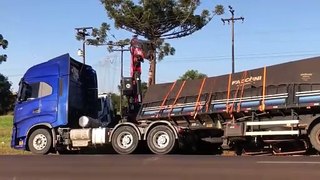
column 274, row 109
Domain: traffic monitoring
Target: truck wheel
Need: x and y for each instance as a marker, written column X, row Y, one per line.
column 125, row 140
column 315, row 137
column 40, row 142
column 161, row 140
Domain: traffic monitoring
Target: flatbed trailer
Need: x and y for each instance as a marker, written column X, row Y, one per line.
column 259, row 108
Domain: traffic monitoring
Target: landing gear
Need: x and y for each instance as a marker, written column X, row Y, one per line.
column 125, row 140
column 161, row 140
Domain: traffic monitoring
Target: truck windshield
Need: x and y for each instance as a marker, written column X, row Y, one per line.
column 25, row 91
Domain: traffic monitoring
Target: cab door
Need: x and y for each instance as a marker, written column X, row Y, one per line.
column 37, row 103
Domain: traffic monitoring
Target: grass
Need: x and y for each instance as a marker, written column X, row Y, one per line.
column 5, row 136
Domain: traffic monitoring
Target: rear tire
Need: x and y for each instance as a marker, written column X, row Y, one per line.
column 40, row 142
column 161, row 140
column 125, row 140
column 315, row 137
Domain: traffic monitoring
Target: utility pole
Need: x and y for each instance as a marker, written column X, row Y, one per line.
column 232, row 20
column 121, row 69
column 82, row 34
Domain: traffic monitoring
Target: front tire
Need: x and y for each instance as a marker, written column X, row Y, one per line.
column 40, row 142
column 161, row 140
column 315, row 137
column 125, row 140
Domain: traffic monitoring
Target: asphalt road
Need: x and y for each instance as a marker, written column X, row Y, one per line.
column 149, row 167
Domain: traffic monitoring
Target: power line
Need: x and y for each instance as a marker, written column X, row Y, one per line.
column 222, row 58
column 253, row 56
column 14, row 75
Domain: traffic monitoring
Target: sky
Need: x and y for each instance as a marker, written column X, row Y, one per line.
column 273, row 32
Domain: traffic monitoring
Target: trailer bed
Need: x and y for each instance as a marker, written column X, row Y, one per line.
column 274, row 89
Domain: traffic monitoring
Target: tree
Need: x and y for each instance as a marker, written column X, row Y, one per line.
column 192, row 74
column 157, row 20
column 98, row 36
column 6, row 96
column 144, row 88
column 3, row 44
column 115, row 101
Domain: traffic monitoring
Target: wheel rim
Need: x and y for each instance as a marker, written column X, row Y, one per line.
column 161, row 139
column 125, row 140
column 40, row 141
column 318, row 136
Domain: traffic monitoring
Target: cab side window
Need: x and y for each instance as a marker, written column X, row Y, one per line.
column 44, row 90
column 34, row 91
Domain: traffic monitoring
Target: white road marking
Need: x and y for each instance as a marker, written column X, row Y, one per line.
column 288, row 162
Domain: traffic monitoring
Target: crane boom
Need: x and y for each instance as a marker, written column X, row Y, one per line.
column 139, row 50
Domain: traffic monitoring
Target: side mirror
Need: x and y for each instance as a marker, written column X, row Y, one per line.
column 30, row 99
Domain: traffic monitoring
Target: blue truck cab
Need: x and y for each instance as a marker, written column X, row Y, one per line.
column 52, row 95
